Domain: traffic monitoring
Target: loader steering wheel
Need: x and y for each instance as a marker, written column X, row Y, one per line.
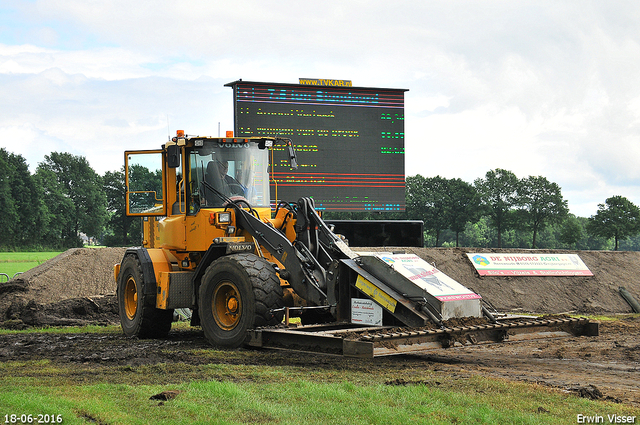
column 237, row 200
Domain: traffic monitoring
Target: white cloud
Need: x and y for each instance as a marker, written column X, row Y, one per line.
column 104, row 63
column 539, row 88
column 99, row 119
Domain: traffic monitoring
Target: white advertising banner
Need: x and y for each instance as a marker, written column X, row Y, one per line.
column 491, row 264
column 430, row 279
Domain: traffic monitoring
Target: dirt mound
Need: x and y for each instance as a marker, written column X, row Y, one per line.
column 78, row 272
column 42, row 295
column 74, row 288
column 597, row 294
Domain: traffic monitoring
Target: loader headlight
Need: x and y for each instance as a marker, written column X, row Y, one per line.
column 220, row 218
column 224, row 217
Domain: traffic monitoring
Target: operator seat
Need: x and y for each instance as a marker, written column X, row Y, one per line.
column 212, row 177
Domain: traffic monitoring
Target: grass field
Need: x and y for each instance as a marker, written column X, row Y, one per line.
column 19, row 262
column 239, row 392
column 296, row 401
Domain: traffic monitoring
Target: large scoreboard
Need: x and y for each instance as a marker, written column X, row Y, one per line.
column 349, row 142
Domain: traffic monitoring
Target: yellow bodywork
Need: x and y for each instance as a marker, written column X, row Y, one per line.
column 176, row 240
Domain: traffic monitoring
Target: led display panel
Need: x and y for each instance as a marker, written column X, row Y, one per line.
column 349, row 142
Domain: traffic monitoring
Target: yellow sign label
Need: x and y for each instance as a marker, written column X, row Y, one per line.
column 376, row 294
column 323, row 82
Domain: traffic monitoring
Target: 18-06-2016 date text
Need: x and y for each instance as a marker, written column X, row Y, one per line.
column 42, row 418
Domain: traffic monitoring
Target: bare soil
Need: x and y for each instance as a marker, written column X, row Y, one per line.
column 78, row 288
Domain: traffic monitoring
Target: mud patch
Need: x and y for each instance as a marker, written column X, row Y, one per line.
column 593, row 393
column 399, row 382
column 97, row 310
column 165, row 395
column 600, row 362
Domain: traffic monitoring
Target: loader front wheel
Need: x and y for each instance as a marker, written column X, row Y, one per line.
column 138, row 315
column 237, row 293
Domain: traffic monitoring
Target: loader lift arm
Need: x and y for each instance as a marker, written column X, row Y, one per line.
column 301, row 268
column 308, row 258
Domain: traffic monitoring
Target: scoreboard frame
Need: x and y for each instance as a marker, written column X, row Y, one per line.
column 349, row 141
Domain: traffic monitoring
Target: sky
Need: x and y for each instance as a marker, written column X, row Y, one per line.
column 541, row 88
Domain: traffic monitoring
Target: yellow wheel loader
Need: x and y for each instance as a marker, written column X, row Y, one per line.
column 213, row 244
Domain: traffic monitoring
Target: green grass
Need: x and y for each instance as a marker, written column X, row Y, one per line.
column 232, row 394
column 19, row 262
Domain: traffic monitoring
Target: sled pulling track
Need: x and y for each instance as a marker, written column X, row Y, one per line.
column 369, row 342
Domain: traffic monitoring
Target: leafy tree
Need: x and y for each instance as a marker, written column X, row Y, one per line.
column 478, row 234
column 541, row 204
column 122, row 229
column 22, row 202
column 498, row 196
column 632, row 243
column 9, row 217
column 60, row 209
column 464, row 206
column 147, row 181
column 71, row 181
column 572, row 231
column 426, row 201
column 617, row 218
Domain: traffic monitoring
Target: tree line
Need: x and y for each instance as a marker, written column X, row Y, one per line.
column 65, row 199
column 55, row 206
column 502, row 211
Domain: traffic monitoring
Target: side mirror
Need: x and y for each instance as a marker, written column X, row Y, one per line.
column 293, row 158
column 173, row 156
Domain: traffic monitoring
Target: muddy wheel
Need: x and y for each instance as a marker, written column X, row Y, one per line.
column 138, row 314
column 236, row 294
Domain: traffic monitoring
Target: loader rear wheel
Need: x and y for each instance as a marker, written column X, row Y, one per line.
column 138, row 315
column 236, row 294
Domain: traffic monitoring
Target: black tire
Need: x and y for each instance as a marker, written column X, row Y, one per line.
column 236, row 294
column 138, row 315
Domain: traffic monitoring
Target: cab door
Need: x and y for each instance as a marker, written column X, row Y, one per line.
column 145, row 186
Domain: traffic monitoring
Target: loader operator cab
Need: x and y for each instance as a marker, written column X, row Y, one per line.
column 192, row 173
column 184, row 191
column 222, row 171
